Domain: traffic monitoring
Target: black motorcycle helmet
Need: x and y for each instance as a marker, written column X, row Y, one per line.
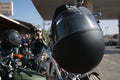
column 11, row 38
column 78, row 39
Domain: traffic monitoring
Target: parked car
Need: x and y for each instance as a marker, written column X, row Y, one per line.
column 111, row 43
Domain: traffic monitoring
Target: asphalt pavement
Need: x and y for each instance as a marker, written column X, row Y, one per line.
column 110, row 64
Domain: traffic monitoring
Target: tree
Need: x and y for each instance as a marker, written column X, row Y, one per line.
column 115, row 36
column 46, row 34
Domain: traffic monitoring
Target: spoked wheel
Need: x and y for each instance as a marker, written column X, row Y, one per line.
column 95, row 74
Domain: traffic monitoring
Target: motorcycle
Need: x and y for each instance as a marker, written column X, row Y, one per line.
column 9, row 67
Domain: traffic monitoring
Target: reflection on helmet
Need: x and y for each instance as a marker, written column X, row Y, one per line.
column 11, row 38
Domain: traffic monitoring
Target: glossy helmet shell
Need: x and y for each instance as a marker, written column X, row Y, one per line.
column 78, row 40
column 11, row 38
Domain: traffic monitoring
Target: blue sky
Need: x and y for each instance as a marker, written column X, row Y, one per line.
column 109, row 26
column 24, row 10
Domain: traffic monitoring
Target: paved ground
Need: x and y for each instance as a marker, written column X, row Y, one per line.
column 110, row 65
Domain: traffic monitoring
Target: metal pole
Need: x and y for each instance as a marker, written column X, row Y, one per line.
column 119, row 32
